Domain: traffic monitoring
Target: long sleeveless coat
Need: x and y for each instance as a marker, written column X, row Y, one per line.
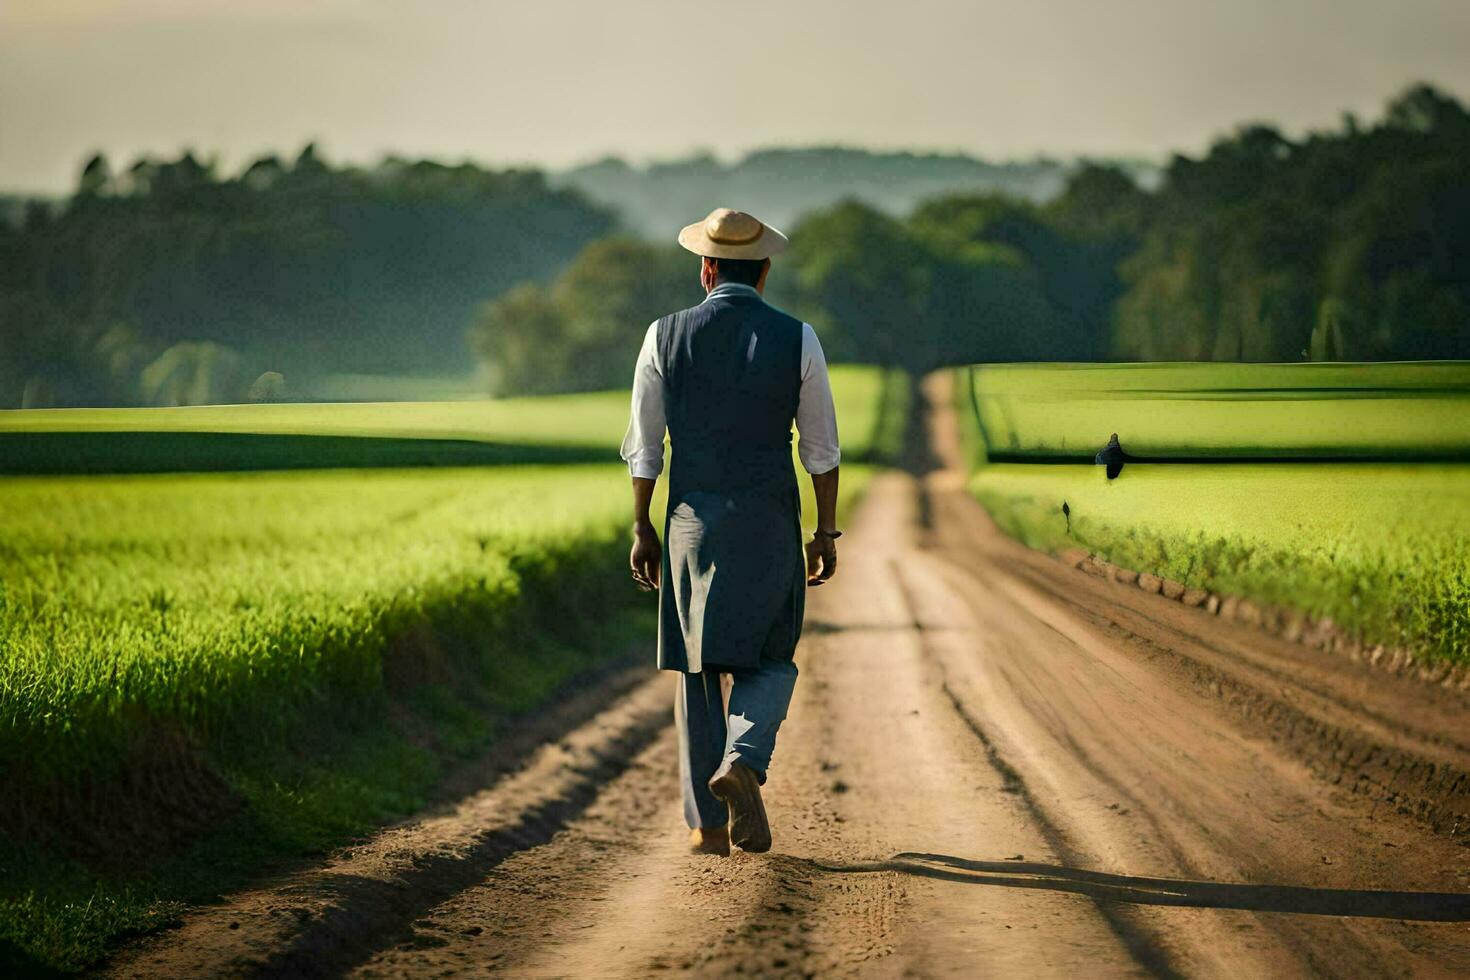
column 734, row 578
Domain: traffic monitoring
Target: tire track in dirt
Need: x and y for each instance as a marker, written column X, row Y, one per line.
column 1142, row 776
column 321, row 920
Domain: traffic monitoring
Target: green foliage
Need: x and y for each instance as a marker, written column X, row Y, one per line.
column 584, row 330
column 212, row 600
column 1343, row 246
column 1361, row 411
column 862, row 279
column 872, row 408
column 1380, row 548
column 303, row 269
column 1349, row 245
column 964, row 278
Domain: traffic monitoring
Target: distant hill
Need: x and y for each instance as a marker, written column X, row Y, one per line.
column 780, row 185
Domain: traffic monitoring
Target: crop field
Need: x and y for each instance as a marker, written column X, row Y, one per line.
column 582, row 428
column 1194, row 411
column 1383, row 548
column 229, row 647
column 289, row 657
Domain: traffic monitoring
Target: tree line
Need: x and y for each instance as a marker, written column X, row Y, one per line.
column 1345, row 245
column 168, row 282
column 1350, row 244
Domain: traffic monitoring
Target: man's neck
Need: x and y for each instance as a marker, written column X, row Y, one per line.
column 728, row 285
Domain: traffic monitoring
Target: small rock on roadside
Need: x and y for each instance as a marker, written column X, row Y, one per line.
column 1073, row 557
column 1125, row 575
column 1149, row 583
column 1172, row 589
column 1194, row 597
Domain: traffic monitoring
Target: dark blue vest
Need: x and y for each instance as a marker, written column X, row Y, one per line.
column 732, row 378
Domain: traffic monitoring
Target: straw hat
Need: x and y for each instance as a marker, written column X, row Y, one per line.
column 728, row 234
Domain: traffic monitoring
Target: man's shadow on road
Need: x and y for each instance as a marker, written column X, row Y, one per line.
column 1422, row 906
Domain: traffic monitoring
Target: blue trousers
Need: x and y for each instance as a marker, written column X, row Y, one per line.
column 712, row 736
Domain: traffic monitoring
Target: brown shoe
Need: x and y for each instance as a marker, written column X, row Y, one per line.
column 741, row 791
column 710, row 840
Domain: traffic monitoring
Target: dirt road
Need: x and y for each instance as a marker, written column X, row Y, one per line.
column 995, row 765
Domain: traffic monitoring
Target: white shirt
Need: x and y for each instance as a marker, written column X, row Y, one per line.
column 816, row 418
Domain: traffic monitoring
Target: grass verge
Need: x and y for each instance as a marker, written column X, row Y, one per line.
column 1380, row 548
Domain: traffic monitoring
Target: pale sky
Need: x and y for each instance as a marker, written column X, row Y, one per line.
column 556, row 82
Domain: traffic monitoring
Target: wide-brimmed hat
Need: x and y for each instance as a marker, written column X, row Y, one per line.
column 728, row 234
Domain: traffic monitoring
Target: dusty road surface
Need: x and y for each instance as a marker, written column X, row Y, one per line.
column 995, row 765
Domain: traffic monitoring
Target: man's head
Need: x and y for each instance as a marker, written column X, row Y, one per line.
column 735, row 247
column 746, row 272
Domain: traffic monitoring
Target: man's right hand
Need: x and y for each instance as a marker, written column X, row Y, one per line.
column 646, row 559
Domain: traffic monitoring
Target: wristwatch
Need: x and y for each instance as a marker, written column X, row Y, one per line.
column 819, row 533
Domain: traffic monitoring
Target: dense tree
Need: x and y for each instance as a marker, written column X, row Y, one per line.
column 304, row 269
column 861, row 279
column 583, row 331
column 964, row 278
column 1348, row 245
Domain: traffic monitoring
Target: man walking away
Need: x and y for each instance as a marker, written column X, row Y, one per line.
column 727, row 378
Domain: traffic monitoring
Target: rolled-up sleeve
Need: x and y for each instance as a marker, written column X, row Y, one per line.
column 643, row 445
column 816, row 416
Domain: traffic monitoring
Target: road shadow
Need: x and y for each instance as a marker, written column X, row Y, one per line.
column 1139, row 890
column 819, row 627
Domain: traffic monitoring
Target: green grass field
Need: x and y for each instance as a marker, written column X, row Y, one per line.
column 1383, row 548
column 200, row 672
column 1353, row 411
column 555, row 429
column 256, row 649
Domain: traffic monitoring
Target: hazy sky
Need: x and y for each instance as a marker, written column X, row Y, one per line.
column 563, row 81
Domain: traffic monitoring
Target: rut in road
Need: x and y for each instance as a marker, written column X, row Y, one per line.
column 994, row 764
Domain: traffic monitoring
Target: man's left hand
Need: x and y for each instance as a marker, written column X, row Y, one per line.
column 821, row 559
